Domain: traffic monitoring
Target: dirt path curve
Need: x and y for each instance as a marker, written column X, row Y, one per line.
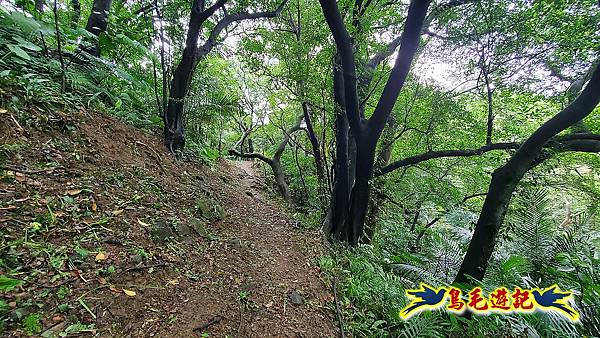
column 267, row 287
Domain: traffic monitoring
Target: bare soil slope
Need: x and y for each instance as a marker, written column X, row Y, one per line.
column 111, row 237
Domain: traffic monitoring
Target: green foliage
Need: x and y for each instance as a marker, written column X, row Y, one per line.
column 32, row 324
column 34, row 76
column 528, row 54
column 538, row 249
column 9, row 284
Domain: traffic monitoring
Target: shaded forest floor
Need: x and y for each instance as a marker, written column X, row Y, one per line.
column 112, row 237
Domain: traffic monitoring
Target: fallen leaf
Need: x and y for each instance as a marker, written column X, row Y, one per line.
column 19, row 177
column 101, row 280
column 144, row 224
column 129, row 293
column 73, row 192
column 269, row 304
column 57, row 319
column 117, row 212
column 113, row 288
column 173, row 282
column 94, row 206
column 100, row 256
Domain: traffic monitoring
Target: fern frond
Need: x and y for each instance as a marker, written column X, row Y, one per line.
column 422, row 327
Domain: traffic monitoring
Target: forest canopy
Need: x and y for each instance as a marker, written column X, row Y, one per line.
column 451, row 142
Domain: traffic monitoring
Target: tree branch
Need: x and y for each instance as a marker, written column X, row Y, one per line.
column 286, row 138
column 409, row 44
column 391, row 47
column 230, row 18
column 259, row 156
column 583, row 142
column 280, row 148
column 379, row 57
column 204, row 14
column 346, row 53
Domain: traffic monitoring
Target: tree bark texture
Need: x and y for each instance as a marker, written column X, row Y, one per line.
column 367, row 132
column 97, row 23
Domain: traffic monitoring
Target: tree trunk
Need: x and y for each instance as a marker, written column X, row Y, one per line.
column 280, row 179
column 39, row 6
column 341, row 186
column 366, row 133
column 97, row 23
column 314, row 142
column 383, row 158
column 506, row 178
column 76, row 16
column 338, row 210
column 359, row 197
column 173, row 118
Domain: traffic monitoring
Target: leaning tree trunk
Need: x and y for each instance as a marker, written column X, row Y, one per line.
column 314, row 142
column 280, row 179
column 97, row 23
column 506, row 178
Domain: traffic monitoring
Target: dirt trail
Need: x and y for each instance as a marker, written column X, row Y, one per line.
column 208, row 252
column 270, row 287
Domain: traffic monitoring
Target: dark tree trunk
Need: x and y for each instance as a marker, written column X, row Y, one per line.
column 367, row 132
column 338, row 211
column 39, row 6
column 97, row 23
column 383, row 158
column 359, row 197
column 192, row 54
column 506, row 178
column 173, row 118
column 490, row 107
column 76, row 16
column 314, row 142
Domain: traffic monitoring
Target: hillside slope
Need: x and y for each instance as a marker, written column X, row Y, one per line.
column 111, row 237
